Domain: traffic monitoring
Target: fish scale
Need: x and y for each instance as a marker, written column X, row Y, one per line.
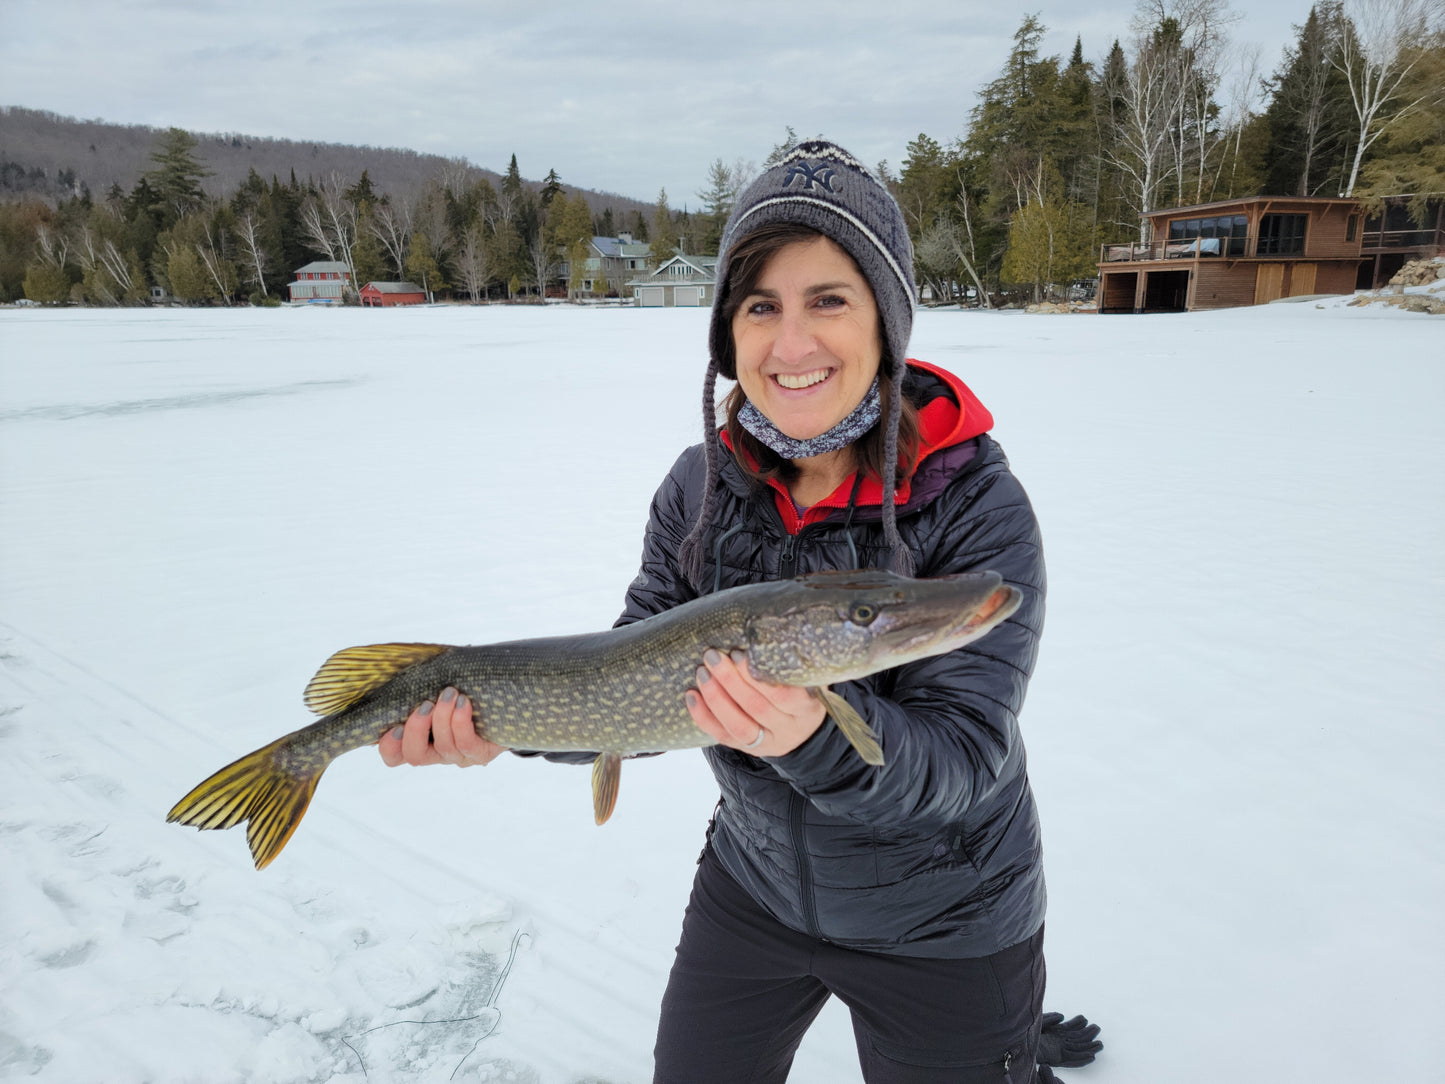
column 614, row 693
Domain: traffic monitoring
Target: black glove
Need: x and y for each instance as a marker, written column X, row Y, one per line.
column 1045, row 1075
column 1067, row 1043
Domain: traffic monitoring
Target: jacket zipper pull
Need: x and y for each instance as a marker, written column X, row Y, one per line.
column 789, row 544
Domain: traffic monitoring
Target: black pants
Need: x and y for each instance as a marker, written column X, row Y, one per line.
column 744, row 989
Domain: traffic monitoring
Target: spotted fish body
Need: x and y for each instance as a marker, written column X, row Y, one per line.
column 616, row 693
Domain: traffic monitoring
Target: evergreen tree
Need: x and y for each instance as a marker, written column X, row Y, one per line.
column 663, row 245
column 1309, row 112
column 717, row 200
column 176, row 180
column 551, row 185
column 363, row 191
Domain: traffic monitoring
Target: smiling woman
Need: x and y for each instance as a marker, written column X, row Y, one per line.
column 912, row 889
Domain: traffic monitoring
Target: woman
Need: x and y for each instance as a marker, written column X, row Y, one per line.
column 913, row 891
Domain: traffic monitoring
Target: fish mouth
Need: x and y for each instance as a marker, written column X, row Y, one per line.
column 922, row 633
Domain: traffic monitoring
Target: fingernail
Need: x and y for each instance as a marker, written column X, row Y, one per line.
column 448, row 695
column 396, row 732
column 739, row 657
column 691, row 698
column 464, row 704
column 425, row 708
column 703, row 677
column 711, row 657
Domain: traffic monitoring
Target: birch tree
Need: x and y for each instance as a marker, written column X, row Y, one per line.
column 474, row 264
column 329, row 223
column 391, row 226
column 253, row 253
column 1376, row 56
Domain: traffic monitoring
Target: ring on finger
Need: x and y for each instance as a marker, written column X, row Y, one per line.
column 758, row 740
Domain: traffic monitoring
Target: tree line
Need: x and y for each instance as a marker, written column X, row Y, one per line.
column 1059, row 156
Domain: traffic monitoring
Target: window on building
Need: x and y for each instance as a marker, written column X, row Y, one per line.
column 1352, row 225
column 1230, row 229
column 1281, row 235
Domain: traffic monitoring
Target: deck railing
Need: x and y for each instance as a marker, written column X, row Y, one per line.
column 1193, row 249
column 1402, row 238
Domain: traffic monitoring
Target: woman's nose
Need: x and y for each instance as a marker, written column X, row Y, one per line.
column 794, row 340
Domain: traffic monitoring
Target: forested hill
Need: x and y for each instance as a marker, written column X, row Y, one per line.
column 50, row 156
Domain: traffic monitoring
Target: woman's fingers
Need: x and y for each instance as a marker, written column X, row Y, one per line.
column 440, row 732
column 737, row 710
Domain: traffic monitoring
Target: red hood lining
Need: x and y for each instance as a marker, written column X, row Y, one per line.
column 942, row 423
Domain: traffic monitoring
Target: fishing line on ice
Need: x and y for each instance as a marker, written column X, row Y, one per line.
column 492, row 1001
column 489, row 1009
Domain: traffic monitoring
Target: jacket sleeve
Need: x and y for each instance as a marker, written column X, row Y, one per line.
column 658, row 585
column 949, row 724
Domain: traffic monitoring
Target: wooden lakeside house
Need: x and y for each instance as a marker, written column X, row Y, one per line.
column 1236, row 252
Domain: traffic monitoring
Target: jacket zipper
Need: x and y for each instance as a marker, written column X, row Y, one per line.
column 797, row 806
column 788, row 565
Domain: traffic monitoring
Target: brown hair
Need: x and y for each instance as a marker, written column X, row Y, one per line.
column 746, row 263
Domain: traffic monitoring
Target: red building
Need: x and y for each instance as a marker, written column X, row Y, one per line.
column 384, row 294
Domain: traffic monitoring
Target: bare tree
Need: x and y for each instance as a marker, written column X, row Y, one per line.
column 218, row 268
column 474, row 264
column 1148, row 98
column 1375, row 56
column 51, row 247
column 391, row 226
column 1245, row 90
column 253, row 255
column 329, row 222
column 107, row 273
column 430, row 217
column 543, row 255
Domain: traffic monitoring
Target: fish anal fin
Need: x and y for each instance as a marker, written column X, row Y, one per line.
column 854, row 727
column 355, row 671
column 264, row 789
column 606, row 777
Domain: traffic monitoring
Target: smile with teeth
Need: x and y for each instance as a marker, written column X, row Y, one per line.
column 796, row 381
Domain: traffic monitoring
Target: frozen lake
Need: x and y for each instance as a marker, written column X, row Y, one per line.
column 1234, row 732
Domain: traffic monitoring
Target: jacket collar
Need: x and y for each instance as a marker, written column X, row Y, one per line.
column 951, row 417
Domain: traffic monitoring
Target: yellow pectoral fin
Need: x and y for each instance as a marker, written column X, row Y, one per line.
column 854, row 727
column 606, row 776
column 355, row 671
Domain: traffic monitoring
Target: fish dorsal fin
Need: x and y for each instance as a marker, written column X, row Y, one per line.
column 355, row 671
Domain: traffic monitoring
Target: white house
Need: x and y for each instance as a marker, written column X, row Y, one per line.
column 681, row 281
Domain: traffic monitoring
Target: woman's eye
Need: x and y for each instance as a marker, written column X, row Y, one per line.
column 760, row 308
column 830, row 301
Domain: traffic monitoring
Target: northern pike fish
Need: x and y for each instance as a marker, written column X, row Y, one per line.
column 615, row 693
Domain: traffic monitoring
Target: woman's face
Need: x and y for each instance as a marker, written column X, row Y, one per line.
column 807, row 338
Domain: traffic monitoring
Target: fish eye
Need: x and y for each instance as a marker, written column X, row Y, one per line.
column 863, row 613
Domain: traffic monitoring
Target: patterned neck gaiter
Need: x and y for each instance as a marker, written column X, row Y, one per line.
column 863, row 418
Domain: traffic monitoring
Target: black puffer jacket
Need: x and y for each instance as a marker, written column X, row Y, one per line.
column 936, row 853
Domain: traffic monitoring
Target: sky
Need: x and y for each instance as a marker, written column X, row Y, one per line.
column 628, row 98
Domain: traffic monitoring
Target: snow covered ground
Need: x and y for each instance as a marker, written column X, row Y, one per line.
column 1235, row 728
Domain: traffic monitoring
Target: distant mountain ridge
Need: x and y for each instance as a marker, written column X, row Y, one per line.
column 43, row 154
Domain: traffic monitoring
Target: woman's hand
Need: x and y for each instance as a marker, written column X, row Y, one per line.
column 440, row 733
column 744, row 713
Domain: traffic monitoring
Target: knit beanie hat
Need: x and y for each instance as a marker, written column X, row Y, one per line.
column 821, row 186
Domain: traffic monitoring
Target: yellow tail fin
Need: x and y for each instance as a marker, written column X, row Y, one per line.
column 256, row 789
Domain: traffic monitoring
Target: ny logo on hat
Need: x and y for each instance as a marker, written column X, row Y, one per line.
column 821, row 175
